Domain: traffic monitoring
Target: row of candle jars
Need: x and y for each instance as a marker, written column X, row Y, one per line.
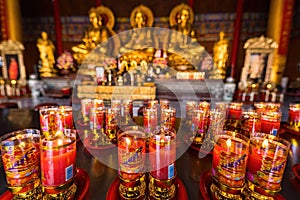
column 265, row 117
column 248, row 168
column 40, row 166
column 149, row 177
column 158, row 138
column 104, row 122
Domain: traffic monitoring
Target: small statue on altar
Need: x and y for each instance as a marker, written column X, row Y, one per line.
column 46, row 49
column 220, row 56
column 140, row 37
column 96, row 33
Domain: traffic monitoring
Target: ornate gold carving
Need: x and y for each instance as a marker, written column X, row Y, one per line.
column 259, row 61
column 13, row 49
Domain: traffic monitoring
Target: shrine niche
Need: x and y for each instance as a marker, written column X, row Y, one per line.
column 258, row 62
column 13, row 65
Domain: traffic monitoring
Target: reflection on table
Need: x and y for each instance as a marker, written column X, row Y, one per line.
column 189, row 166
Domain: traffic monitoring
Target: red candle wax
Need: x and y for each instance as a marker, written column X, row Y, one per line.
column 254, row 162
column 131, row 154
column 150, row 122
column 58, row 164
column 68, row 121
column 294, row 115
column 235, row 114
column 268, row 126
column 162, row 157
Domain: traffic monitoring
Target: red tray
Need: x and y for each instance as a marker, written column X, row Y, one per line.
column 206, row 181
column 285, row 129
column 82, row 181
column 296, row 170
column 113, row 191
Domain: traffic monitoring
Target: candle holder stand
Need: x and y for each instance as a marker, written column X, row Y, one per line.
column 161, row 189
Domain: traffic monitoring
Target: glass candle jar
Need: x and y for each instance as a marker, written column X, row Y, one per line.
column 204, row 105
column 162, row 155
column 200, row 122
column 294, row 117
column 190, row 106
column 168, row 118
column 235, row 110
column 260, row 107
column 229, row 163
column 20, row 152
column 164, row 103
column 150, row 120
column 48, row 119
column 250, row 122
column 270, row 122
column 86, row 105
column 111, row 126
column 128, row 107
column 65, row 117
column 267, row 160
column 98, row 103
column 153, row 104
column 58, row 163
column 131, row 158
column 97, row 119
column 273, row 107
column 223, row 107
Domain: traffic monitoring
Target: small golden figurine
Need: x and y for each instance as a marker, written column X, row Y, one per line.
column 220, row 56
column 97, row 32
column 46, row 49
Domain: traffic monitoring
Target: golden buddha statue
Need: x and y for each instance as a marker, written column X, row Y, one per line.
column 140, row 39
column 220, row 56
column 183, row 38
column 46, row 49
column 96, row 33
column 141, row 44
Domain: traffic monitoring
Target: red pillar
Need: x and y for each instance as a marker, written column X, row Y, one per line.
column 4, row 20
column 191, row 4
column 98, row 3
column 236, row 35
column 58, row 32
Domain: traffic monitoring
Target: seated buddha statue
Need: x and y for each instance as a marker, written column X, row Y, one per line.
column 183, row 36
column 95, row 33
column 140, row 37
column 186, row 38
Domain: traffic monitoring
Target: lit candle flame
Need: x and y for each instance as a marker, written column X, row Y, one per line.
column 265, row 143
column 22, row 145
column 59, row 142
column 228, row 143
column 128, row 141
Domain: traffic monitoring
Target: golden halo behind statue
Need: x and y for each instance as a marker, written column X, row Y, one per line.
column 108, row 18
column 147, row 13
column 173, row 18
